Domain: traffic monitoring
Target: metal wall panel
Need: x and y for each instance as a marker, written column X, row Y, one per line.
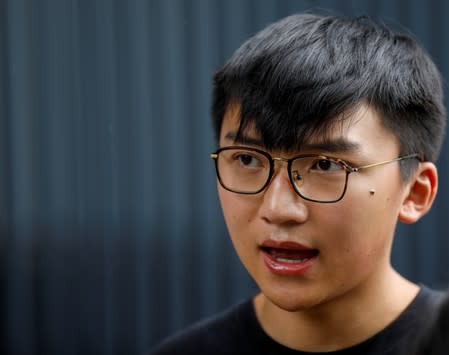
column 111, row 232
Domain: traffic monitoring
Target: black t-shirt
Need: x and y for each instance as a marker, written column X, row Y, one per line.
column 237, row 331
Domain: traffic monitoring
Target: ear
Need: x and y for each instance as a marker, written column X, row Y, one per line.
column 420, row 193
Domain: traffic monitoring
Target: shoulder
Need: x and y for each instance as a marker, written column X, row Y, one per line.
column 399, row 337
column 416, row 316
column 414, row 320
column 426, row 302
column 220, row 334
column 431, row 296
column 433, row 338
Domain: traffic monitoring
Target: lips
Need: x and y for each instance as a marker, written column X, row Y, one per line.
column 288, row 258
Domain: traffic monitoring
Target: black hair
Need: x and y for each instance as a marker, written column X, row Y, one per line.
column 299, row 75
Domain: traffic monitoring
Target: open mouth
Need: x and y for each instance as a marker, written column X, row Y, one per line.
column 290, row 256
column 288, row 260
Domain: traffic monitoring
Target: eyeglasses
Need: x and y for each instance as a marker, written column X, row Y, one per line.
column 314, row 177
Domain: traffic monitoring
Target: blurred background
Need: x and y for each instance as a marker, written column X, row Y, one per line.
column 111, row 235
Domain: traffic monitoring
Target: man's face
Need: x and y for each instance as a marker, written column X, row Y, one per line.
column 302, row 253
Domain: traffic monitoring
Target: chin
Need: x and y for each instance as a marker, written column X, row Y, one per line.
column 294, row 302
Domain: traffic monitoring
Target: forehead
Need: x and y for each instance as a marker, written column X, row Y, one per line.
column 362, row 129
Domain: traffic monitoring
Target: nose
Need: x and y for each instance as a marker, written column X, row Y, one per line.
column 281, row 204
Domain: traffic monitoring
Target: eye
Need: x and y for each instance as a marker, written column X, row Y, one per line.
column 326, row 165
column 247, row 160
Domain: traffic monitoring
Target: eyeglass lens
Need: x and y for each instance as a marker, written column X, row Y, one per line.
column 315, row 178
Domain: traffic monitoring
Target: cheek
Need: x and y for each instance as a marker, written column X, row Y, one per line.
column 362, row 229
column 238, row 210
column 352, row 247
column 372, row 213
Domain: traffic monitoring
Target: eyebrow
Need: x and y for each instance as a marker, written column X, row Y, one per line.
column 242, row 139
column 338, row 145
column 334, row 145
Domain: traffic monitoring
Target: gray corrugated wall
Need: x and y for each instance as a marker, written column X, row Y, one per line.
column 111, row 232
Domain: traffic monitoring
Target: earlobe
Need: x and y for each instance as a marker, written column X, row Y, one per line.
column 421, row 193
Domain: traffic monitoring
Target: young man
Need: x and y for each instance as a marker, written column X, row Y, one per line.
column 327, row 130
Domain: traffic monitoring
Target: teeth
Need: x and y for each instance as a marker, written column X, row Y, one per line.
column 291, row 261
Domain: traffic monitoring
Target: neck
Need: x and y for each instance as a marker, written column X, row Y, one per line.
column 342, row 322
